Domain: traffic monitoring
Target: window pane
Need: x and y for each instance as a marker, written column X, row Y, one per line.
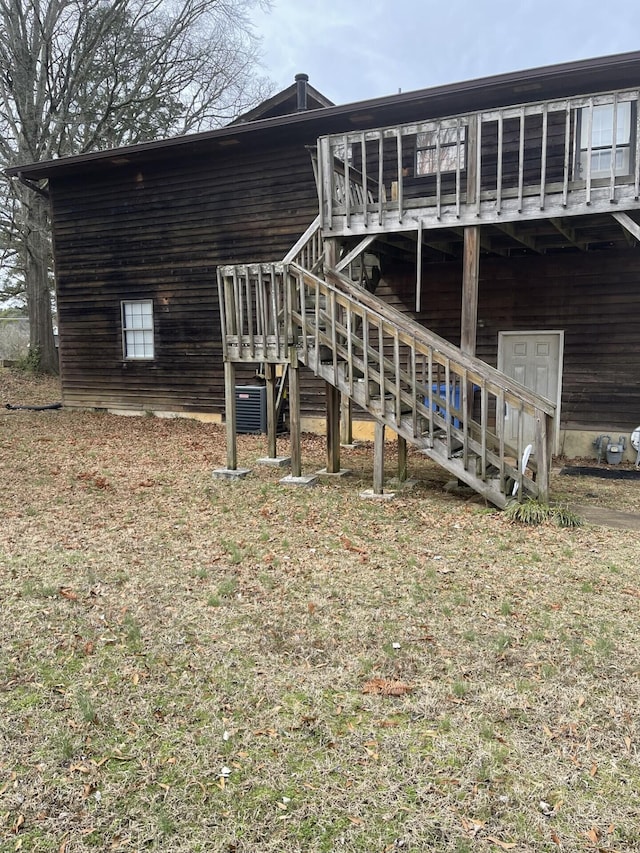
column 137, row 328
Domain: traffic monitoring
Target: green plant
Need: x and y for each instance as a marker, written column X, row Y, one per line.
column 532, row 511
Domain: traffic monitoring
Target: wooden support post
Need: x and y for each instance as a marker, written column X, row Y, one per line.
column 378, row 459
column 346, row 420
column 230, row 414
column 331, row 254
column 402, row 459
column 469, row 311
column 270, row 377
column 333, row 428
column 294, row 412
column 470, row 277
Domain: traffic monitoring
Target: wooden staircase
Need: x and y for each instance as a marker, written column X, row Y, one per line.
column 454, row 407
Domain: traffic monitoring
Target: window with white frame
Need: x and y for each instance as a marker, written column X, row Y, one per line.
column 440, row 151
column 137, row 329
column 598, row 129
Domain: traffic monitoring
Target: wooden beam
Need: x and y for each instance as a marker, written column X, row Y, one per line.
column 346, row 420
column 353, row 254
column 628, row 224
column 294, row 413
column 402, row 459
column 529, row 242
column 470, row 277
column 378, row 459
column 333, row 428
column 270, row 379
column 230, row 414
column 568, row 233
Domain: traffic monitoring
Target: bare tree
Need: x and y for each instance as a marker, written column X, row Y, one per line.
column 84, row 75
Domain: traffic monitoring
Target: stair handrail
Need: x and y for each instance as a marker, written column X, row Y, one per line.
column 412, row 329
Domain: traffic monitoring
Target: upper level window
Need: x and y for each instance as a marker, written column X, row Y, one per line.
column 137, row 329
column 602, row 137
column 432, row 158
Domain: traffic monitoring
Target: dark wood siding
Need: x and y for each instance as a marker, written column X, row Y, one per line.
column 594, row 297
column 159, row 233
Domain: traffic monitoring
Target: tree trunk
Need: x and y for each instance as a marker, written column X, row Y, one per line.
column 37, row 263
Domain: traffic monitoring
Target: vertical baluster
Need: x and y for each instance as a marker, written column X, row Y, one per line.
column 381, row 362
column 261, row 311
column 459, row 150
column 447, row 403
column 419, row 268
column 412, row 370
column 365, row 354
column 636, row 152
column 400, row 181
column 438, row 171
column 614, row 153
column 273, row 320
column 252, row 342
column 567, row 155
column 365, row 182
column 347, row 182
column 317, row 321
column 303, row 318
column 589, row 146
column 430, row 392
column 223, row 314
column 500, row 426
column 380, row 176
column 320, row 166
column 479, row 165
column 520, row 450
column 396, row 368
column 523, row 120
column 464, row 411
column 499, row 166
column 543, row 162
column 349, row 350
column 238, row 298
column 484, row 409
column 334, row 338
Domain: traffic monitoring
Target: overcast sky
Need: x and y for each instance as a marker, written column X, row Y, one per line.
column 358, row 49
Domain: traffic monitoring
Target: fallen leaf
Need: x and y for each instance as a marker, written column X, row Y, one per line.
column 556, row 839
column 386, row 687
column 503, row 845
column 349, row 546
column 67, row 592
column 593, row 835
column 356, row 821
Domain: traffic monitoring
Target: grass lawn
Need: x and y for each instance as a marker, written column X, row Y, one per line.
column 188, row 664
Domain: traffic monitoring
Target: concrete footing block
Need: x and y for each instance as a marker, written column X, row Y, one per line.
column 307, row 481
column 370, row 495
column 230, row 473
column 343, row 472
column 275, row 461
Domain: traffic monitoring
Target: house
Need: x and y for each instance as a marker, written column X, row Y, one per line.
column 493, row 224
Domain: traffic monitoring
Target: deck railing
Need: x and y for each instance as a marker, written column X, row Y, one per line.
column 552, row 158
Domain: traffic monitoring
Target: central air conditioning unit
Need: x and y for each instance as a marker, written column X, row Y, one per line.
column 251, row 410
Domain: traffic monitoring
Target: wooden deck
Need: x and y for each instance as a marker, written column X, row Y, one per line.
column 519, row 163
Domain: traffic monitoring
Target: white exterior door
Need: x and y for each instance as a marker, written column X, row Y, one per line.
column 535, row 360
